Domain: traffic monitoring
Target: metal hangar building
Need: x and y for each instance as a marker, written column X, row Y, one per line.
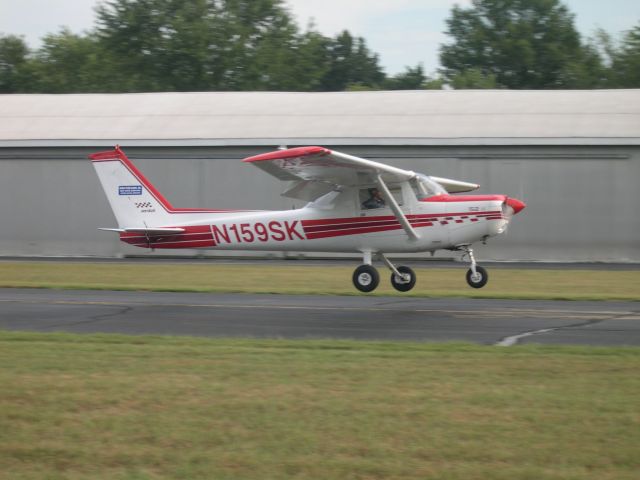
column 572, row 156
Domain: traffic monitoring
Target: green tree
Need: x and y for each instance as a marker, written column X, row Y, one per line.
column 189, row 45
column 351, row 63
column 288, row 60
column 313, row 60
column 68, row 63
column 625, row 60
column 521, row 43
column 473, row 78
column 162, row 44
column 413, row 78
column 193, row 45
column 13, row 58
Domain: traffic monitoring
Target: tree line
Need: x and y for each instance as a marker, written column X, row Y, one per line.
column 239, row 45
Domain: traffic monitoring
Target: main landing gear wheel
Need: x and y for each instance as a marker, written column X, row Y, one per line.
column 403, row 284
column 478, row 279
column 366, row 278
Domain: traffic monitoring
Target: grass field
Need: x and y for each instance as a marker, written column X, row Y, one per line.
column 296, row 279
column 117, row 407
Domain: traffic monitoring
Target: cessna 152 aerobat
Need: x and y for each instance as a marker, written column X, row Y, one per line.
column 354, row 205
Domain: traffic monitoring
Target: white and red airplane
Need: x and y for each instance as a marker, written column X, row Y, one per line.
column 355, row 205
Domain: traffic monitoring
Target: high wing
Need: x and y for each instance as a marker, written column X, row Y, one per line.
column 314, row 171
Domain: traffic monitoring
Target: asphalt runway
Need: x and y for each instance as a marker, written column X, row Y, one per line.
column 492, row 322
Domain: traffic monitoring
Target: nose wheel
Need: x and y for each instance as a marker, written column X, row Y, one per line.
column 477, row 276
column 477, row 279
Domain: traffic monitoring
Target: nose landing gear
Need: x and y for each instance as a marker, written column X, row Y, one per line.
column 478, row 279
column 477, row 276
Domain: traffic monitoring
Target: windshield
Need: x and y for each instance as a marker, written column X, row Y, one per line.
column 424, row 187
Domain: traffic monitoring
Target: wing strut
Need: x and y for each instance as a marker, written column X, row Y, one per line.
column 396, row 209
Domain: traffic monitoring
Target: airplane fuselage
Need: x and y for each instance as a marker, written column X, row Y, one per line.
column 439, row 224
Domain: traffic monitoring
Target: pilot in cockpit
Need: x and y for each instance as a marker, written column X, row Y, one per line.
column 375, row 199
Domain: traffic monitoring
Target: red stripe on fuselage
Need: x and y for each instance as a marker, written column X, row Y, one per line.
column 168, row 238
column 334, row 227
column 177, row 245
column 465, row 198
column 338, row 222
column 194, row 236
column 343, row 226
column 351, row 231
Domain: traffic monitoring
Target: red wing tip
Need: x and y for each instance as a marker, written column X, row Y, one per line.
column 288, row 153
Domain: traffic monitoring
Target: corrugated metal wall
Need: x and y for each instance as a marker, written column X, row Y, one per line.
column 582, row 201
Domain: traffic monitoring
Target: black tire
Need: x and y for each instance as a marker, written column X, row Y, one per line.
column 480, row 280
column 399, row 284
column 366, row 278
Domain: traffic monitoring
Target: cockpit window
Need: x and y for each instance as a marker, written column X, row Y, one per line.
column 424, row 187
column 372, row 197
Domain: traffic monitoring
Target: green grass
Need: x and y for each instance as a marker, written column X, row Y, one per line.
column 117, row 407
column 336, row 280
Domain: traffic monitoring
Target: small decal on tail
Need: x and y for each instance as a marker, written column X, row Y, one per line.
column 130, row 190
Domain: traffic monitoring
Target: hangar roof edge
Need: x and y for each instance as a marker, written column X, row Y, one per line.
column 425, row 117
column 334, row 142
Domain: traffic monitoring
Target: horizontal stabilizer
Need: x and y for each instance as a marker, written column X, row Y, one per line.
column 150, row 231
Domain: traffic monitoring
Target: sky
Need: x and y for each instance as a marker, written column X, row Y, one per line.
column 403, row 32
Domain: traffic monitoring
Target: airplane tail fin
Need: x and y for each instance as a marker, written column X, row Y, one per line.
column 135, row 202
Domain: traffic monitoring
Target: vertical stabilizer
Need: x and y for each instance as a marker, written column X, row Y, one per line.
column 135, row 202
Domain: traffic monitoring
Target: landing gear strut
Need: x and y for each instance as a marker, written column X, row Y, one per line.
column 403, row 278
column 366, row 277
column 477, row 277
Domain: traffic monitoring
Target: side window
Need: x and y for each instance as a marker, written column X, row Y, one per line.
column 371, row 198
